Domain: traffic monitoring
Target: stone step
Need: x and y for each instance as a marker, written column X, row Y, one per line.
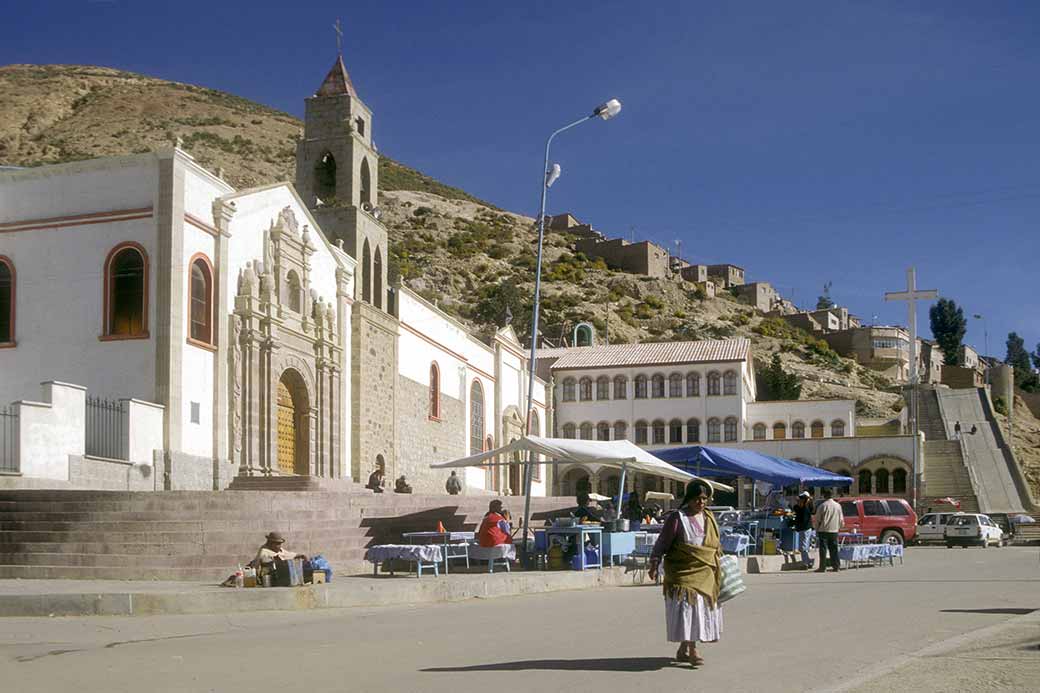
column 210, row 560
column 326, row 544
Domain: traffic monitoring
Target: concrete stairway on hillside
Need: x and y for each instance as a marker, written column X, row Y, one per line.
column 945, row 474
column 929, row 416
column 203, row 535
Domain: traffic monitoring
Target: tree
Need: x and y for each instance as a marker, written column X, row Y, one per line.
column 1036, row 356
column 1017, row 356
column 1019, row 359
column 778, row 384
column 499, row 302
column 824, row 301
column 948, row 328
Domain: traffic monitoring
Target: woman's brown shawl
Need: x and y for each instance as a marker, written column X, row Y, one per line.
column 690, row 569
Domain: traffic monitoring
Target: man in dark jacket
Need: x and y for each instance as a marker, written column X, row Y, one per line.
column 803, row 512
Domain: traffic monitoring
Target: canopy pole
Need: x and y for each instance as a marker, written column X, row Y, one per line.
column 621, row 489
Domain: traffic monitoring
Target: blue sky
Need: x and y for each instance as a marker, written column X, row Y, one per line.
column 806, row 141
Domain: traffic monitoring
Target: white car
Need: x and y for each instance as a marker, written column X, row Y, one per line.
column 972, row 529
column 932, row 527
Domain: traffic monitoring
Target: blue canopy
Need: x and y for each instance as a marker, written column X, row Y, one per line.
column 711, row 461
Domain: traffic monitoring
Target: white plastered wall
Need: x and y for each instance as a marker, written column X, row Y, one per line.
column 60, row 282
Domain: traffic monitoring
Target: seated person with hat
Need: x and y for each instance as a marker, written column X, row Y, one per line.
column 273, row 550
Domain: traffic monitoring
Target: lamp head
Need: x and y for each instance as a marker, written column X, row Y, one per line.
column 551, row 175
column 608, row 110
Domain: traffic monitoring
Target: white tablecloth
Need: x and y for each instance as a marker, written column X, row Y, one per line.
column 861, row 553
column 489, row 553
column 427, row 553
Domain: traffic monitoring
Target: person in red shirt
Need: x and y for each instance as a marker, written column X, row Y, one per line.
column 494, row 528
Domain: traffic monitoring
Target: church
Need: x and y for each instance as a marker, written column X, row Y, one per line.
column 160, row 329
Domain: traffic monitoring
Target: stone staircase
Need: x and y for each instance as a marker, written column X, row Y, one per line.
column 203, row 535
column 929, row 416
column 946, row 475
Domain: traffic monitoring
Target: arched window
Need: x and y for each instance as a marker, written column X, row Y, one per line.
column 569, row 430
column 366, row 272
column 377, row 279
column 7, row 301
column 881, row 481
column 816, row 429
column 844, row 490
column 837, row 428
column 126, row 292
column 293, row 292
column 366, row 185
column 620, row 430
column 536, row 424
column 675, row 385
column 729, row 383
column 620, row 387
column 758, row 431
column 641, row 429
column 798, row 429
column 640, row 386
column 693, row 431
column 864, row 481
column 731, row 430
column 657, row 386
column 693, row 384
column 714, row 431
column 476, row 418
column 898, row 481
column 569, row 385
column 585, row 431
column 658, row 432
column 585, row 389
column 325, row 178
column 714, row 382
column 583, row 335
column 603, row 387
column 435, row 391
column 779, row 430
column 675, row 430
column 200, row 300
column 603, row 431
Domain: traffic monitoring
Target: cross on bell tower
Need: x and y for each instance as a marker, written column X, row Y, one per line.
column 337, row 175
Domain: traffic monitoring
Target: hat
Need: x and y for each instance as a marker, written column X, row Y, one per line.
column 275, row 537
column 805, row 494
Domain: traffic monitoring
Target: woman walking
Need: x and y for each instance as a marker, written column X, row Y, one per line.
column 689, row 545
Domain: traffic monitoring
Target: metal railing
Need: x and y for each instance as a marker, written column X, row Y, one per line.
column 106, row 429
column 9, row 440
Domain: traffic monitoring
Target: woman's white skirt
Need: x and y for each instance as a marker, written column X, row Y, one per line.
column 697, row 622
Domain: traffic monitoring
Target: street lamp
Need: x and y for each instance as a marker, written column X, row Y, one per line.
column 605, row 111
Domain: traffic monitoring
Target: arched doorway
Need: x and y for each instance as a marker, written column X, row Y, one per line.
column 516, row 477
column 293, row 418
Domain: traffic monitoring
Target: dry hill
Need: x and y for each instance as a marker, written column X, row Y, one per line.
column 470, row 258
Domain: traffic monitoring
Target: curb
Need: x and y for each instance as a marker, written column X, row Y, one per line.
column 344, row 593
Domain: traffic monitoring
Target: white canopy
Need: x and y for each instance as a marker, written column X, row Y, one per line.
column 610, row 453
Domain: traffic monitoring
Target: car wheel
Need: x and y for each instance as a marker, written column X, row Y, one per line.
column 949, row 546
column 890, row 536
column 984, row 544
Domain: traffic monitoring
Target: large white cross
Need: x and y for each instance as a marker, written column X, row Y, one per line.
column 911, row 296
column 338, row 28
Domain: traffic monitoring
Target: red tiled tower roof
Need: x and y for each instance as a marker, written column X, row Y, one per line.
column 337, row 81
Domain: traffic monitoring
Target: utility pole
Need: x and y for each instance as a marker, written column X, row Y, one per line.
column 911, row 296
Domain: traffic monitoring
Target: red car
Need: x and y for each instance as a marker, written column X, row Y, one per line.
column 891, row 520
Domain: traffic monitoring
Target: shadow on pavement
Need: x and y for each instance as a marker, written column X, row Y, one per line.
column 604, row 664
column 1010, row 611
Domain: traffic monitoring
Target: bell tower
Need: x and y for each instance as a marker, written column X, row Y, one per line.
column 337, row 175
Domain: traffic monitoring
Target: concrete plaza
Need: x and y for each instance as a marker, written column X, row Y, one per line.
column 946, row 620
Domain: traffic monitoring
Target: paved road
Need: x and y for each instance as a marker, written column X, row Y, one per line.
column 789, row 632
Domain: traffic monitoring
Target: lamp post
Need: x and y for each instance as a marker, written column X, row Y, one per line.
column 605, row 111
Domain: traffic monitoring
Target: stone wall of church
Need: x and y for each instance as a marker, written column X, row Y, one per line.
column 373, row 375
column 421, row 440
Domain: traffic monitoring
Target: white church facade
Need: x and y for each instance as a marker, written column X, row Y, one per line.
column 185, row 332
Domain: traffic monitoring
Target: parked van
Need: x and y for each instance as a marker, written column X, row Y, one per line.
column 973, row 529
column 891, row 520
column 932, row 527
